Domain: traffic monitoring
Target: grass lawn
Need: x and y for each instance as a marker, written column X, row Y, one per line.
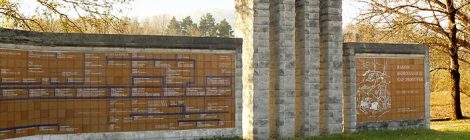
column 445, row 130
column 442, row 130
column 441, row 105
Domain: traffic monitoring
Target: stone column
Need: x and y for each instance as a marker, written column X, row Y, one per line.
column 349, row 92
column 307, row 49
column 427, row 90
column 282, row 37
column 238, row 92
column 292, row 62
column 253, row 24
column 331, row 66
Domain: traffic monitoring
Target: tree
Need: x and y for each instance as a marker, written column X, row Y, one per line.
column 155, row 25
column 207, row 25
column 187, row 24
column 443, row 25
column 193, row 31
column 174, row 27
column 362, row 33
column 224, row 29
column 69, row 15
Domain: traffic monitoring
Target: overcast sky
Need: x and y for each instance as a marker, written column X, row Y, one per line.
column 146, row 8
column 195, row 8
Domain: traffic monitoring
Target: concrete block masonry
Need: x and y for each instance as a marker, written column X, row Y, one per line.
column 401, row 80
column 293, row 76
column 296, row 46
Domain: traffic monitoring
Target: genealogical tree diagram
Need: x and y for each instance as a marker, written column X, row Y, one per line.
column 47, row 92
column 372, row 91
column 389, row 88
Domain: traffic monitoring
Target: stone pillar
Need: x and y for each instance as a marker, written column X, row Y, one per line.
column 349, row 90
column 427, row 91
column 284, row 75
column 282, row 38
column 307, row 49
column 238, row 92
column 331, row 66
column 253, row 24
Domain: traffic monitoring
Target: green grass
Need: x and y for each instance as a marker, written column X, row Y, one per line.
column 445, row 130
column 222, row 138
column 441, row 105
column 458, row 126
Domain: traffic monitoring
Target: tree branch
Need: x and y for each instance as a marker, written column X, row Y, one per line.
column 465, row 93
column 438, row 69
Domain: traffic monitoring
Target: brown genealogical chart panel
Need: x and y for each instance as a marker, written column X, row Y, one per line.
column 45, row 92
column 389, row 88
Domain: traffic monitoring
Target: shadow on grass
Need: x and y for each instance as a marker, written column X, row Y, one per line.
column 222, row 138
column 402, row 134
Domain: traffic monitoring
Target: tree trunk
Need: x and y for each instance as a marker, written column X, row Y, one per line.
column 455, row 89
column 454, row 64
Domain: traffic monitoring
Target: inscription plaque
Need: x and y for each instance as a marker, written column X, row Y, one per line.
column 44, row 92
column 389, row 88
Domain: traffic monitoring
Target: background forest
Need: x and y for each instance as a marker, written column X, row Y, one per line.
column 102, row 17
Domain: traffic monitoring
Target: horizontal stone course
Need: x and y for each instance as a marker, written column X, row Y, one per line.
column 112, row 40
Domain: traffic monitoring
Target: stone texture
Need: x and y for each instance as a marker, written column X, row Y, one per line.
column 391, row 125
column 307, row 49
column 171, row 135
column 349, row 92
column 331, row 76
column 427, row 98
column 282, row 33
column 253, row 24
column 109, row 40
column 282, row 67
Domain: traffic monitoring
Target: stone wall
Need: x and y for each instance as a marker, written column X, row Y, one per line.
column 294, row 78
column 24, row 40
column 394, row 51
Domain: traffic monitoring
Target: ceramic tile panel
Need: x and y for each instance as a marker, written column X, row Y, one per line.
column 48, row 92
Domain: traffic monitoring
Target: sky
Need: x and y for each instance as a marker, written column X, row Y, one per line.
column 157, row 7
column 181, row 8
column 221, row 9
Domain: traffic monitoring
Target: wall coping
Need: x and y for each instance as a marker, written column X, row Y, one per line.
column 115, row 40
column 384, row 48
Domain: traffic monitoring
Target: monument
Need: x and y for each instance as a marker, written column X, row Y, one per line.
column 87, row 85
column 290, row 76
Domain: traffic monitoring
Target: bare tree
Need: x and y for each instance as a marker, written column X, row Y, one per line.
column 443, row 25
column 71, row 15
column 155, row 25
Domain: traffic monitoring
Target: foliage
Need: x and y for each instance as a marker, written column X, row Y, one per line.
column 224, row 29
column 188, row 26
column 155, row 25
column 174, row 27
column 207, row 27
column 65, row 15
column 441, row 103
column 100, row 16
